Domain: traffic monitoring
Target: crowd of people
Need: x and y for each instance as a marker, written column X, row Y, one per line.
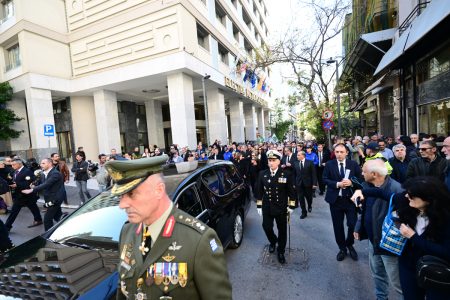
column 415, row 169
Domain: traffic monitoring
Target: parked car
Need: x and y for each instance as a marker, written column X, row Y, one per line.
column 78, row 257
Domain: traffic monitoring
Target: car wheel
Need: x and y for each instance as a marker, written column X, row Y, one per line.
column 238, row 231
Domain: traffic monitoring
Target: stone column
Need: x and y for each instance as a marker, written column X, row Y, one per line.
column 182, row 114
column 155, row 126
column 84, row 126
column 250, row 122
column 22, row 143
column 107, row 121
column 236, row 121
column 40, row 112
column 216, row 116
column 267, row 123
column 261, row 123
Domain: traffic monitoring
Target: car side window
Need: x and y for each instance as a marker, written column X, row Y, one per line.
column 211, row 180
column 226, row 184
column 189, row 202
column 234, row 175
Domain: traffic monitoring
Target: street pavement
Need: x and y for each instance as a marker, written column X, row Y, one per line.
column 312, row 271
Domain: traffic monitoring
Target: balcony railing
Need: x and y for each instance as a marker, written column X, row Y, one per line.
column 412, row 16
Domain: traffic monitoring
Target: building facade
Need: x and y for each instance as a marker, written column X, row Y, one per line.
column 126, row 73
column 404, row 89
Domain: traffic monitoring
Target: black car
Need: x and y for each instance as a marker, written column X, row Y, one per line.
column 78, row 257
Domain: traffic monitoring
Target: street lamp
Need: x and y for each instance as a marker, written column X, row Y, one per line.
column 338, row 96
column 205, row 104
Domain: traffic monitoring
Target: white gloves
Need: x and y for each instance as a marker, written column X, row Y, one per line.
column 290, row 211
column 259, row 210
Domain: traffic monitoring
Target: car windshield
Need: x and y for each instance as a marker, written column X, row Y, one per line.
column 96, row 224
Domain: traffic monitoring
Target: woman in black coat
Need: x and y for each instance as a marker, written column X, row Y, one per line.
column 424, row 212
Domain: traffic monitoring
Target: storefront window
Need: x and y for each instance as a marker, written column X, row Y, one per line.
column 435, row 118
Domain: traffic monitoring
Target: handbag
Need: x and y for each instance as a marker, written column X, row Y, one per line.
column 391, row 238
column 433, row 273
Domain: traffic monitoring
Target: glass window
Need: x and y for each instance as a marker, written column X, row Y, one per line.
column 202, row 37
column 189, row 202
column 221, row 15
column 13, row 57
column 97, row 224
column 226, row 184
column 223, row 53
column 8, row 9
column 211, row 180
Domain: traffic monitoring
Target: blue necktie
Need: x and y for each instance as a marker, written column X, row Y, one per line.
column 341, row 170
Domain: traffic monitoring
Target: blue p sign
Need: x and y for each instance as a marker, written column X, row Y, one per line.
column 49, row 130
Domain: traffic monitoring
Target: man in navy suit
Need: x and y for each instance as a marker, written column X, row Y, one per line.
column 22, row 178
column 339, row 191
column 305, row 181
column 52, row 183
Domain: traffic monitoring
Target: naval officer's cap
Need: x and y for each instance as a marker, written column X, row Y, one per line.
column 274, row 154
column 128, row 174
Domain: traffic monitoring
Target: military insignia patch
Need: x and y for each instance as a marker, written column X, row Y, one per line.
column 213, row 245
column 175, row 247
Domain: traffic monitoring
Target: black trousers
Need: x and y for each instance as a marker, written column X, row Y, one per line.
column 53, row 213
column 343, row 207
column 5, row 242
column 281, row 221
column 304, row 192
column 320, row 179
column 32, row 206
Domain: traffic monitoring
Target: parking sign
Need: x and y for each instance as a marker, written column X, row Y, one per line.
column 49, row 130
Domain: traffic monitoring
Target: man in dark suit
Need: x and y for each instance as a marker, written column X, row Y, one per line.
column 336, row 175
column 52, row 183
column 287, row 162
column 22, row 177
column 305, row 181
column 324, row 155
column 216, row 154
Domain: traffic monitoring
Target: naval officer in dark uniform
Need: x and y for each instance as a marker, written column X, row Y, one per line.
column 275, row 199
column 164, row 252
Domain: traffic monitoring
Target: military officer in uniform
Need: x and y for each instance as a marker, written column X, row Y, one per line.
column 164, row 252
column 275, row 199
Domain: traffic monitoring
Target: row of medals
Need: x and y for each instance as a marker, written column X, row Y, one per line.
column 167, row 273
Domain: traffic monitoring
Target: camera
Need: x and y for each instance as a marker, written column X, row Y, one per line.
column 92, row 167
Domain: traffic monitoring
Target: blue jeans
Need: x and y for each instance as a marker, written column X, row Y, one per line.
column 385, row 270
column 82, row 189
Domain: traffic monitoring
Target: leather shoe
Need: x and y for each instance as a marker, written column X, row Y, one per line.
column 35, row 223
column 271, row 248
column 303, row 216
column 281, row 258
column 353, row 253
column 341, row 255
column 309, row 209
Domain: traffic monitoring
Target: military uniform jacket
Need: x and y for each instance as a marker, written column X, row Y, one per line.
column 185, row 262
column 274, row 194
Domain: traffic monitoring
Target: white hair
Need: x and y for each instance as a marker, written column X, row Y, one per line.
column 398, row 146
column 376, row 166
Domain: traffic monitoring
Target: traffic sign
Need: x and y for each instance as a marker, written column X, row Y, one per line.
column 328, row 114
column 49, row 130
column 327, row 125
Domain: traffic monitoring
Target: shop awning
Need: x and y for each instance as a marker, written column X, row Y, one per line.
column 367, row 52
column 375, row 84
column 435, row 12
column 379, row 36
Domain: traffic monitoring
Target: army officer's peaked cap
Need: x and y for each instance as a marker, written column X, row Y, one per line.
column 128, row 174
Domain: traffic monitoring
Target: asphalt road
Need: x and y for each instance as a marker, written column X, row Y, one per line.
column 312, row 271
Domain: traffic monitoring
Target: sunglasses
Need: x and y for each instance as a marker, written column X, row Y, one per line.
column 424, row 149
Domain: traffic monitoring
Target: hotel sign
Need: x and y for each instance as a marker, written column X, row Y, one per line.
column 244, row 92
